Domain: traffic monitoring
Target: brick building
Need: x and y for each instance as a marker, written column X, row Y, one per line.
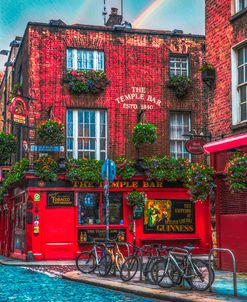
column 138, row 64
column 226, row 40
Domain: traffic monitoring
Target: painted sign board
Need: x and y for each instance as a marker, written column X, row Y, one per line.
column 35, row 148
column 60, row 199
column 86, row 236
column 195, row 145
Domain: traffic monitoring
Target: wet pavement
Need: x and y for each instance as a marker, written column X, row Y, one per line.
column 222, row 287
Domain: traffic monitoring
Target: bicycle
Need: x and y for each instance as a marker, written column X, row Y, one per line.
column 117, row 257
column 88, row 261
column 170, row 270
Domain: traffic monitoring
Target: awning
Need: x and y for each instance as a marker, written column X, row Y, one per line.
column 226, row 143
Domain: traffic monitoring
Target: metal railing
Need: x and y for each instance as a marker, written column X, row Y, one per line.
column 234, row 268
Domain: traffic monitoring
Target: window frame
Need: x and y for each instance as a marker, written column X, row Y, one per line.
column 176, row 55
column 184, row 139
column 237, row 6
column 75, row 58
column 236, row 98
column 75, row 150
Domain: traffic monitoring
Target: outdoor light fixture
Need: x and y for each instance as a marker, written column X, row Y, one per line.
column 4, row 52
column 9, row 63
column 15, row 43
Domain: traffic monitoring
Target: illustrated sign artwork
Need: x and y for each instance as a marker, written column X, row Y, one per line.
column 85, row 236
column 138, row 94
column 169, row 216
column 18, row 110
column 60, row 199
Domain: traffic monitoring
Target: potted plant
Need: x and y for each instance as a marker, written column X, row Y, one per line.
column 180, row 85
column 236, row 173
column 143, row 133
column 8, row 146
column 208, row 73
column 46, row 168
column 51, row 133
column 136, row 200
column 87, row 81
column 199, row 180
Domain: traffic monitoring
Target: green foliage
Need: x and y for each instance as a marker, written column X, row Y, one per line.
column 17, row 88
column 8, row 146
column 125, row 167
column 144, row 133
column 236, row 173
column 136, row 198
column 14, row 175
column 51, row 133
column 166, row 168
column 46, row 168
column 87, row 81
column 84, row 170
column 206, row 67
column 199, row 180
column 180, row 85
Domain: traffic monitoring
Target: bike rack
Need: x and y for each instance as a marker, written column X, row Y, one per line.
column 234, row 268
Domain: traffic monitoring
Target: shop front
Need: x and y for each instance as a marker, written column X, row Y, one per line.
column 56, row 222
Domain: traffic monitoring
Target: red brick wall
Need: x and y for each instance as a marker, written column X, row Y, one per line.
column 131, row 60
column 221, row 35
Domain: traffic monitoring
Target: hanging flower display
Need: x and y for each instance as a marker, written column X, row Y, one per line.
column 46, row 168
column 199, row 179
column 236, row 173
column 51, row 133
column 8, row 146
column 87, row 81
column 125, row 167
column 136, row 199
column 180, row 85
column 144, row 133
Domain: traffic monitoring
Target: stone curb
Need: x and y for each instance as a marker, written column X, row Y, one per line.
column 155, row 293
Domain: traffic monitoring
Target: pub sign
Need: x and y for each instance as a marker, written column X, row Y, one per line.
column 60, row 199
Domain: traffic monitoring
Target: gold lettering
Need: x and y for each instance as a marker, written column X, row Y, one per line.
column 145, row 184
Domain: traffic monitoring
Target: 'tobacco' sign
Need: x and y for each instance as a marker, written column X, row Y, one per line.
column 195, row 145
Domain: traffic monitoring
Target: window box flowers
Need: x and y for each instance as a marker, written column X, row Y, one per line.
column 51, row 133
column 87, row 81
column 236, row 173
column 46, row 168
column 180, row 85
column 125, row 167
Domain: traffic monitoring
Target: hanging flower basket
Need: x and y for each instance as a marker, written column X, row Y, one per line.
column 236, row 173
column 87, row 81
column 136, row 199
column 208, row 73
column 199, row 179
column 144, row 133
column 180, row 85
column 8, row 146
column 51, row 133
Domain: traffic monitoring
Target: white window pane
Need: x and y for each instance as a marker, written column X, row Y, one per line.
column 69, row 58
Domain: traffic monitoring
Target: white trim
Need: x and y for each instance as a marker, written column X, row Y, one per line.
column 235, row 96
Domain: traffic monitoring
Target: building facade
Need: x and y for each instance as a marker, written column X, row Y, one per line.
column 226, row 40
column 54, row 220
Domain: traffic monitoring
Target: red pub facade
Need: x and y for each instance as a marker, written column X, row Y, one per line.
column 54, row 220
column 226, row 34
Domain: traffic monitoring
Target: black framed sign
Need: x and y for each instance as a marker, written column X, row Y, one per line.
column 86, row 236
column 169, row 216
column 60, row 199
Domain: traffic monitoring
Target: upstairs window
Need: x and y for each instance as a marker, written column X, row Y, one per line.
column 179, row 66
column 85, row 59
column 240, row 5
column 180, row 124
column 242, row 81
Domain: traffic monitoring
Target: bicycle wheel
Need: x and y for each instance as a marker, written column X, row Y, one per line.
column 86, row 262
column 175, row 274
column 105, row 264
column 129, row 268
column 147, row 271
column 200, row 270
column 160, row 273
column 119, row 259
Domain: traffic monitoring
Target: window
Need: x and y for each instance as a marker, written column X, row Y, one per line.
column 85, row 59
column 240, row 5
column 242, row 82
column 180, row 123
column 86, row 134
column 88, row 208
column 179, row 66
column 115, row 208
column 92, row 211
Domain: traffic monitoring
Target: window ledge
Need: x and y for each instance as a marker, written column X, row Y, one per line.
column 238, row 15
column 239, row 126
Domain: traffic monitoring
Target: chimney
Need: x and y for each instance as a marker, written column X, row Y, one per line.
column 114, row 18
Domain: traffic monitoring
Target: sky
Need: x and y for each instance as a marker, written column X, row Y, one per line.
column 187, row 15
